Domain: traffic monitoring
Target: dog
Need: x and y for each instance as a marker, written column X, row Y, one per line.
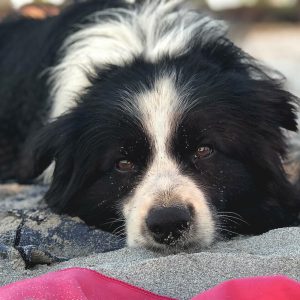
column 148, row 120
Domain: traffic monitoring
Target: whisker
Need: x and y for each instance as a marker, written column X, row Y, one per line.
column 119, row 230
column 226, row 230
column 224, row 219
column 113, row 221
column 232, row 215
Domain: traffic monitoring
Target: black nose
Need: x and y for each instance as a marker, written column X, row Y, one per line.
column 168, row 224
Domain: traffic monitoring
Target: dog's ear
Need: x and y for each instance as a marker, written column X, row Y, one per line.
column 257, row 81
column 54, row 143
column 41, row 149
column 62, row 142
column 37, row 154
column 275, row 110
column 260, row 86
column 280, row 105
column 277, row 106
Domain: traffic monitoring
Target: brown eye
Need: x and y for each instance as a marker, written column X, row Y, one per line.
column 125, row 165
column 203, row 152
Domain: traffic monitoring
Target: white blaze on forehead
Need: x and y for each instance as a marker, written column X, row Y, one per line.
column 157, row 109
column 118, row 35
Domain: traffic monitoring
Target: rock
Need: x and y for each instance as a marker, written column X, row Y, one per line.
column 54, row 238
column 10, row 258
column 28, row 228
column 9, row 224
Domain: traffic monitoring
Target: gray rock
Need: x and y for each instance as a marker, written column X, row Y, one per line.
column 42, row 237
column 10, row 259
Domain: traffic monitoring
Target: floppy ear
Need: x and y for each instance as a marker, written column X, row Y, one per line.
column 37, row 154
column 278, row 106
column 62, row 142
column 42, row 148
column 53, row 143
column 275, row 113
column 279, row 114
column 256, row 82
column 281, row 103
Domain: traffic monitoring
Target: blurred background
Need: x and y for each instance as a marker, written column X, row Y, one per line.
column 267, row 29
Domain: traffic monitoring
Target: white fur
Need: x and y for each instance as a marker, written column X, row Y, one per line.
column 163, row 184
column 117, row 36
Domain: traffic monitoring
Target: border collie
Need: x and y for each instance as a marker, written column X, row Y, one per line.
column 147, row 118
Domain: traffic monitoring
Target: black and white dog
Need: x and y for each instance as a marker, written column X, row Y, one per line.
column 146, row 114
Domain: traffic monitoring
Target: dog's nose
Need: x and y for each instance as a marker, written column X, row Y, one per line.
column 168, row 224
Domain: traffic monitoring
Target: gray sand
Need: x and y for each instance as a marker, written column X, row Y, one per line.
column 184, row 275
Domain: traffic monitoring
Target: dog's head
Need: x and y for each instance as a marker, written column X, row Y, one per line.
column 183, row 149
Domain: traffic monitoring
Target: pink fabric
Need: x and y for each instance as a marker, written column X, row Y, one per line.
column 254, row 288
column 83, row 284
column 75, row 284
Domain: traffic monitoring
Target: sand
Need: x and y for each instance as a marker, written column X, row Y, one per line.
column 186, row 274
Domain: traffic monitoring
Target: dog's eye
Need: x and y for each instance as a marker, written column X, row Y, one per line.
column 203, row 152
column 125, row 165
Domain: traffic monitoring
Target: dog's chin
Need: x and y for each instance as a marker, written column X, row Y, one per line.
column 171, row 248
column 174, row 248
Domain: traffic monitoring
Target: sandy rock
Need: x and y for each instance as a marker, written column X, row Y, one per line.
column 30, row 231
